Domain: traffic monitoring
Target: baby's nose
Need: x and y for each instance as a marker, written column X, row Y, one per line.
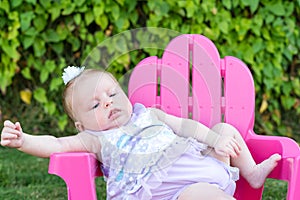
column 108, row 104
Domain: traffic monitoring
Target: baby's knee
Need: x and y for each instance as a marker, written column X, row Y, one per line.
column 225, row 129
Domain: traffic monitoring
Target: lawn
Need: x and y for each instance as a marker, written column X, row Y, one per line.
column 25, row 177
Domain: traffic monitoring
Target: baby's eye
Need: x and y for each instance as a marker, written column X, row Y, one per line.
column 113, row 94
column 96, row 105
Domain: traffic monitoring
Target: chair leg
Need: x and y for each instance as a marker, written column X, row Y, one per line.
column 294, row 182
column 246, row 192
column 79, row 171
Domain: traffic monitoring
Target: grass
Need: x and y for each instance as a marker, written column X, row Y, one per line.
column 25, row 177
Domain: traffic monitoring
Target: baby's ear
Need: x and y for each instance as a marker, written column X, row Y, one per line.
column 79, row 126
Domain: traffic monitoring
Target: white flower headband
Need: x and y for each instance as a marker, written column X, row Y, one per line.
column 71, row 72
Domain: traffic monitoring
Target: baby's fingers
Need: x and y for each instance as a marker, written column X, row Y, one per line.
column 9, row 124
column 12, row 134
column 236, row 147
column 5, row 142
column 18, row 126
column 232, row 153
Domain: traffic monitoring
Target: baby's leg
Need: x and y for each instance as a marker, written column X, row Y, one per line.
column 204, row 191
column 254, row 173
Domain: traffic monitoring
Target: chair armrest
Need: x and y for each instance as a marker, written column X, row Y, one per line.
column 261, row 147
column 79, row 171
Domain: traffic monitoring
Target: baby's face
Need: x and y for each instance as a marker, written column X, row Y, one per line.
column 99, row 103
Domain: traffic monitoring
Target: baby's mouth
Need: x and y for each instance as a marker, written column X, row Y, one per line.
column 113, row 113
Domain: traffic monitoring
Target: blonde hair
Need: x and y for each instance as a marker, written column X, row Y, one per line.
column 67, row 104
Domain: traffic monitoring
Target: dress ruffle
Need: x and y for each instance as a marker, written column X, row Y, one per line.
column 158, row 176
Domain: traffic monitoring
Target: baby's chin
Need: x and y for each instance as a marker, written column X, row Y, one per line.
column 118, row 122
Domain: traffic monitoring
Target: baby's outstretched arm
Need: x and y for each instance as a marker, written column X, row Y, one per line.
column 224, row 145
column 41, row 146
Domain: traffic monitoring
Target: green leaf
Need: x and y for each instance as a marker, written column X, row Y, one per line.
column 75, row 42
column 40, row 22
column 26, row 73
column 266, row 34
column 286, row 88
column 79, row 3
column 287, row 101
column 10, row 48
column 269, row 18
column 62, row 121
column 44, row 76
column 115, row 12
column 50, row 107
column 39, row 94
column 15, row 3
column 270, row 46
column 95, row 55
column 51, row 36
column 77, row 18
column 98, row 11
column 31, row 32
column 248, row 55
column 58, row 47
column 268, row 72
column 14, row 16
column 55, row 84
column 50, row 65
column 120, row 44
column 88, row 17
column 296, row 85
column 277, row 8
column 45, row 3
column 68, row 9
column 246, row 2
column 102, row 21
column 13, row 30
column 258, row 45
column 62, row 32
column 253, row 5
column 26, row 19
column 223, row 25
column 31, row 1
column 4, row 5
column 55, row 12
column 27, row 41
column 39, row 47
column 227, row 4
column 39, row 10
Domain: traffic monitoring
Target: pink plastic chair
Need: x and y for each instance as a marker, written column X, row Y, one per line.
column 191, row 80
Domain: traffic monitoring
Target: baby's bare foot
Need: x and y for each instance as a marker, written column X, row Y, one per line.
column 260, row 172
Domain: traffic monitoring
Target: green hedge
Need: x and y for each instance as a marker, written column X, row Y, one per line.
column 39, row 38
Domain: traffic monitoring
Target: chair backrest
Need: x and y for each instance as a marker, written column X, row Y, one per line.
column 192, row 81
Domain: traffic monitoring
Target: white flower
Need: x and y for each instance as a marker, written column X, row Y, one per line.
column 71, row 73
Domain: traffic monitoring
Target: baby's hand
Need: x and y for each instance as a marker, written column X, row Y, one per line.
column 227, row 146
column 12, row 135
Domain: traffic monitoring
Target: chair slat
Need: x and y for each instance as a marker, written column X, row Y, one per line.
column 143, row 88
column 239, row 95
column 206, row 82
column 175, row 77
